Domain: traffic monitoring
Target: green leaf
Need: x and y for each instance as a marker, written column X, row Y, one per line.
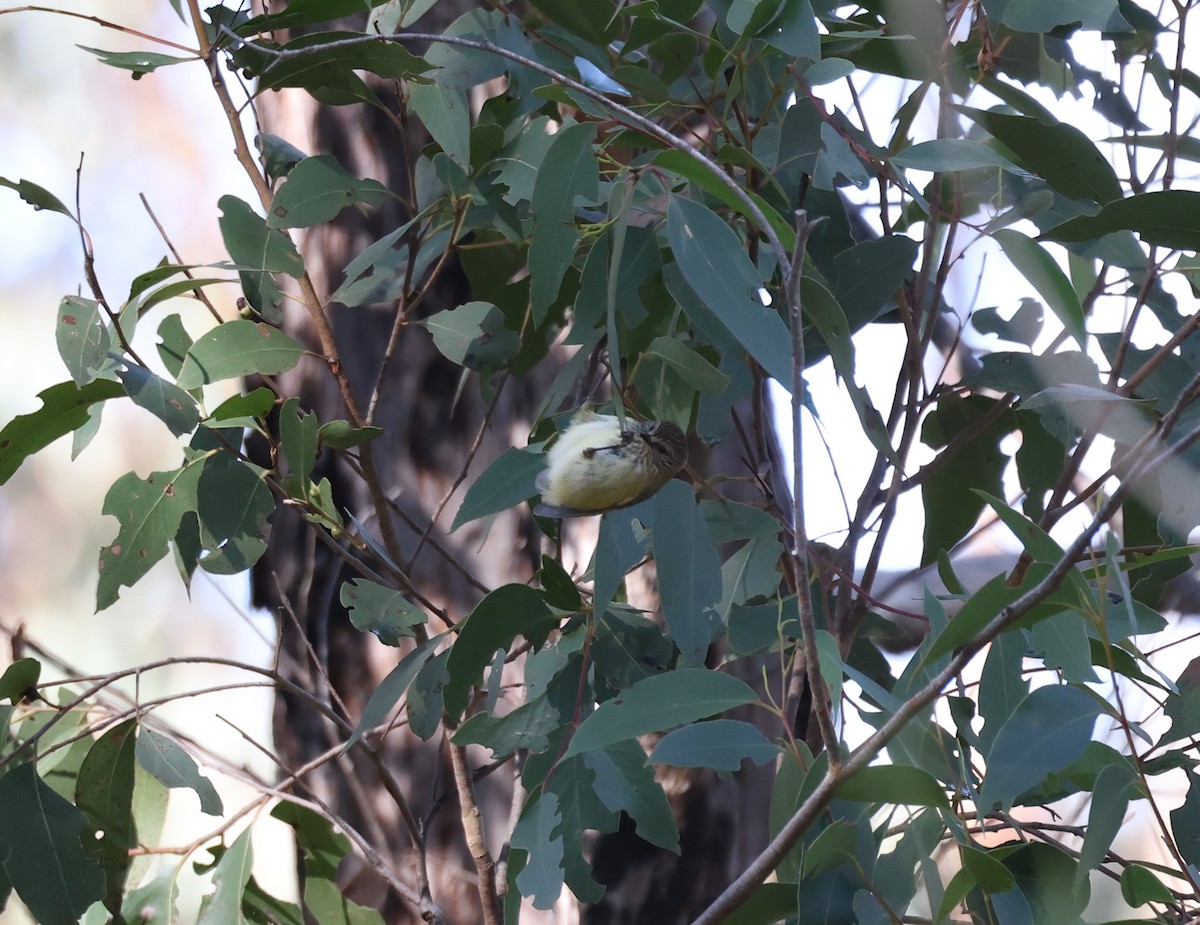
column 694, row 172
column 716, row 267
column 569, row 170
column 329, row 72
column 1037, row 16
column 140, row 62
column 1023, row 328
column 40, row 851
column 174, row 343
column 385, row 697
column 1039, row 268
column 1060, row 154
column 1106, row 816
column 952, row 506
column 508, row 481
column 540, row 832
column 695, row 369
column 901, row 784
column 82, row 338
column 660, row 702
column 18, row 678
column 1139, row 886
column 1185, row 822
column 509, row 611
column 474, row 335
column 165, row 400
column 238, row 348
column 625, row 782
column 1166, row 217
column 173, row 767
column 259, row 251
column 155, row 903
column 279, row 155
column 527, row 727
column 64, row 409
column 1049, row 729
column 945, row 155
column 689, row 572
column 232, row 503
column 232, row 873
column 37, row 196
column 446, row 114
column 104, row 791
column 340, row 435
column 298, row 438
column 721, row 744
column 385, row 612
column 149, row 513
column 316, row 190
column 976, row 613
column 323, row 849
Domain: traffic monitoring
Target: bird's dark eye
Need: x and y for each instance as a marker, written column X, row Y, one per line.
column 626, row 437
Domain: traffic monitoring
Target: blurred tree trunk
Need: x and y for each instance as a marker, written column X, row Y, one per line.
column 428, row 445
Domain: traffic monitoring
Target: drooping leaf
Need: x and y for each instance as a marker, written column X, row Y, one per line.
column 104, row 792
column 1164, row 217
column 446, row 114
column 238, row 348
column 508, row 481
column 316, row 190
column 298, row 438
column 385, row 612
column 18, row 678
column 659, row 703
column 83, row 339
column 324, row 850
column 1048, row 730
column 474, row 335
column 165, row 400
column 37, row 196
column 393, row 687
column 1046, row 277
column 149, row 512
column 721, row 744
column 40, row 851
column 1032, row 16
column 231, row 874
column 140, row 62
column 689, row 572
column 509, row 611
column 625, row 782
column 695, row 369
column 899, row 784
column 1059, row 153
column 64, row 409
column 260, row 251
column 540, row 832
column 173, row 767
column 569, row 170
column 717, row 269
column 951, row 154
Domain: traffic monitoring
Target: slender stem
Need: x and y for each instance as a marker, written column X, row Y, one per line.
column 799, row 556
column 472, row 821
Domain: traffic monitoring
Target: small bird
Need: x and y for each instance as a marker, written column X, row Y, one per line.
column 596, row 465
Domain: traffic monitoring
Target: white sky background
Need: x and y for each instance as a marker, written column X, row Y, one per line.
column 982, row 278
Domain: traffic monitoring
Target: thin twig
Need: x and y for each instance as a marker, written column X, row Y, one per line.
column 799, row 553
